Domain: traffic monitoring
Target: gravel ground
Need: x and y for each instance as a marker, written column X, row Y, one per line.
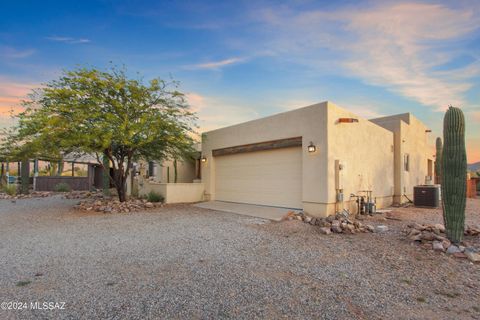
column 184, row 262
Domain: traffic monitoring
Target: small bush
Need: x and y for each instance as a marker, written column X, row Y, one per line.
column 10, row 189
column 61, row 187
column 154, row 197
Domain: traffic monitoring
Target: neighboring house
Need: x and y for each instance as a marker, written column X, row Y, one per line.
column 164, row 171
column 188, row 170
column 314, row 158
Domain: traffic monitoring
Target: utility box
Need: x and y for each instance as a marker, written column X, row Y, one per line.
column 426, row 196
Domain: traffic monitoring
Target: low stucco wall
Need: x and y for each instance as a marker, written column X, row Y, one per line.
column 174, row 192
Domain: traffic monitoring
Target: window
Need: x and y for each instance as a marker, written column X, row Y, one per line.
column 406, row 162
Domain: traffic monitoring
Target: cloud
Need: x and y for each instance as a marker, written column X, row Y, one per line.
column 216, row 113
column 69, row 40
column 216, row 64
column 397, row 46
column 11, row 95
column 12, row 53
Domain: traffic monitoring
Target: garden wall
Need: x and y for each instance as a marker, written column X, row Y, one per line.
column 174, row 192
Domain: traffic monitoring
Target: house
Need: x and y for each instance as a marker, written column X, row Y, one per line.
column 316, row 158
column 413, row 162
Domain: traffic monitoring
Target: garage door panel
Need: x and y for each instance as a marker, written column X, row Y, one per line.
column 272, row 177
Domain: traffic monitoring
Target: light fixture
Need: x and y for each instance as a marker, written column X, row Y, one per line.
column 311, row 147
column 347, row 120
column 203, row 159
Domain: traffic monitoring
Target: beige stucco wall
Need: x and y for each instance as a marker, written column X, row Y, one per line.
column 410, row 137
column 366, row 152
column 173, row 192
column 310, row 123
column 185, row 171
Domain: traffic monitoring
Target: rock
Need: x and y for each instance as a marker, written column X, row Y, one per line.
column 313, row 221
column 460, row 255
column 369, row 228
column 472, row 255
column 330, row 218
column 440, row 227
column 428, row 236
column 381, row 229
column 336, row 226
column 350, row 227
column 325, row 230
column 324, row 223
column 439, row 238
column 150, row 205
column 438, row 246
column 307, row 219
column 416, row 237
column 446, row 243
column 453, row 249
column 416, row 226
column 414, row 232
column 298, row 217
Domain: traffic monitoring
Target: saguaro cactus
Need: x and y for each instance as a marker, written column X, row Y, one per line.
column 438, row 160
column 454, row 170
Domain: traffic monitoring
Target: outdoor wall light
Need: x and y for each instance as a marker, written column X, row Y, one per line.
column 311, row 147
column 203, row 159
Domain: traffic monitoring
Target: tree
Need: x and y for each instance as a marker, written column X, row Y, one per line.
column 107, row 114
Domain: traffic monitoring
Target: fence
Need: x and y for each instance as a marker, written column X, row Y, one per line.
column 49, row 183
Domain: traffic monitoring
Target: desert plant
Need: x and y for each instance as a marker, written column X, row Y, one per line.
column 454, row 169
column 10, row 189
column 154, row 197
column 438, row 160
column 62, row 187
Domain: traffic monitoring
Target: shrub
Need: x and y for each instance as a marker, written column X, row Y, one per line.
column 61, row 187
column 10, row 189
column 154, row 197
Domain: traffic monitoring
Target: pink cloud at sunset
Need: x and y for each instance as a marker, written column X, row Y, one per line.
column 11, row 95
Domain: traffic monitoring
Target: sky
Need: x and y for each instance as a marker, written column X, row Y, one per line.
column 241, row 60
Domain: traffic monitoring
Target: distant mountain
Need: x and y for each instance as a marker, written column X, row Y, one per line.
column 474, row 166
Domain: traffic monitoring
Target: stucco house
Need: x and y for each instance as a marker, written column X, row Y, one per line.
column 314, row 158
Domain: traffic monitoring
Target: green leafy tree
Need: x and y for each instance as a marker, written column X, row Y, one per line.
column 107, row 114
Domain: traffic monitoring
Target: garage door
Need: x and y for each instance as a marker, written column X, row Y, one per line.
column 272, row 177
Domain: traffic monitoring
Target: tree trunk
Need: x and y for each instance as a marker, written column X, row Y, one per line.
column 25, row 174
column 3, row 177
column 120, row 185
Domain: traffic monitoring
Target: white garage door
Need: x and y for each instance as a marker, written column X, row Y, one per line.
column 272, row 177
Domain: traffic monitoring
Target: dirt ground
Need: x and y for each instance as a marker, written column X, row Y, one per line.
column 183, row 262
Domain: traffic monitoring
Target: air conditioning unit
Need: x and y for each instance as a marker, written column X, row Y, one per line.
column 426, row 196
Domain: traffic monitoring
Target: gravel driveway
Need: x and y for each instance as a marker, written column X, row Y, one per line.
column 185, row 262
